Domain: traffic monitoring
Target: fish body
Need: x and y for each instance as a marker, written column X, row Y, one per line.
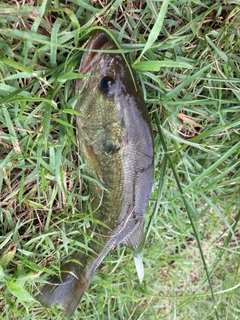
column 115, row 142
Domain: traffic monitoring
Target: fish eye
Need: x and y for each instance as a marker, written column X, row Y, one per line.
column 106, row 83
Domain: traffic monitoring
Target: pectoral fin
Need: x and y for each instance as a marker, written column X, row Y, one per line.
column 93, row 159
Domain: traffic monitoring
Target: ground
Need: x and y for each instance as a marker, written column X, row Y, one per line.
column 186, row 58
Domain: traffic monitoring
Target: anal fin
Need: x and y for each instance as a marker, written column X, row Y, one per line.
column 134, row 239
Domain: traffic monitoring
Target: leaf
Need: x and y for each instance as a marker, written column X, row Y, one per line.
column 154, row 33
column 70, row 76
column 7, row 257
column 138, row 259
column 152, row 65
column 19, row 292
column 72, row 111
column 2, row 274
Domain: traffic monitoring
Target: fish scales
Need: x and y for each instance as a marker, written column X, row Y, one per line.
column 115, row 142
column 96, row 139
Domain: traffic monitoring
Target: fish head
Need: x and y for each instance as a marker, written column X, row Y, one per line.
column 109, row 74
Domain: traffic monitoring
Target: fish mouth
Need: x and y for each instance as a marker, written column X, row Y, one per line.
column 98, row 41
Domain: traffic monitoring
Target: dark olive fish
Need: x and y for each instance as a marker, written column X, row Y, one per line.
column 115, row 142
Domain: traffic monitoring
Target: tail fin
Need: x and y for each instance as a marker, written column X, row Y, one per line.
column 66, row 291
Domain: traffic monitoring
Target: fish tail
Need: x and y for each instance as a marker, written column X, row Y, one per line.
column 66, row 291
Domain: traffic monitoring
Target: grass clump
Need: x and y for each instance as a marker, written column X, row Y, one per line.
column 186, row 56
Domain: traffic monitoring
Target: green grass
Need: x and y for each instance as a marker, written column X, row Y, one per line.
column 186, row 57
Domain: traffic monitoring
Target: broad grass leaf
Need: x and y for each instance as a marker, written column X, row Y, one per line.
column 19, row 292
column 144, row 66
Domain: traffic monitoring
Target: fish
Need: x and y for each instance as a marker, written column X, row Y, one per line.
column 116, row 144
